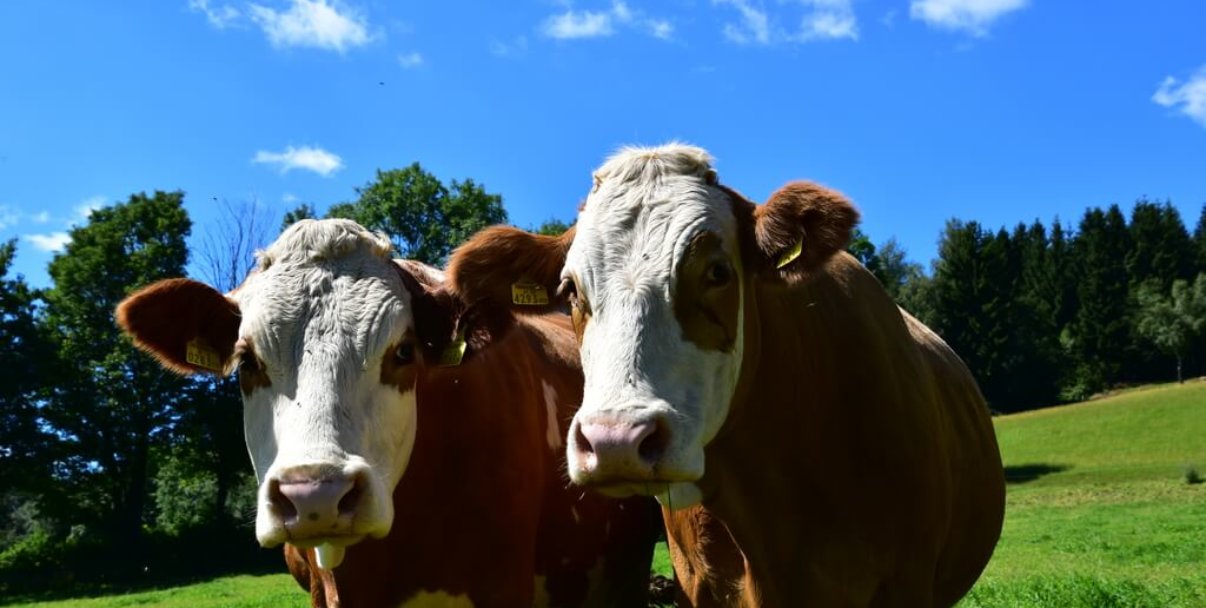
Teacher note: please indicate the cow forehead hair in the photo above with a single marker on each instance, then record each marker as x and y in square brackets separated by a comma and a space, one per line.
[652, 164]
[311, 241]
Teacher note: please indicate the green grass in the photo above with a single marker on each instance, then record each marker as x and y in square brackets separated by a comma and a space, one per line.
[1099, 514]
[274, 591]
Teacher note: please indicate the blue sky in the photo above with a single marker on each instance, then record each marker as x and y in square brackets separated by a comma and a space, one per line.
[919, 110]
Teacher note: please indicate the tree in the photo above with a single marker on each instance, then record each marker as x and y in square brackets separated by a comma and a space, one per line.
[24, 359]
[111, 404]
[1100, 333]
[1160, 247]
[1171, 322]
[552, 227]
[304, 211]
[1199, 238]
[893, 269]
[424, 218]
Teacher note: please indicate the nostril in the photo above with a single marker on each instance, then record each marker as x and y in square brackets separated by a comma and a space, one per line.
[654, 444]
[583, 443]
[351, 501]
[283, 505]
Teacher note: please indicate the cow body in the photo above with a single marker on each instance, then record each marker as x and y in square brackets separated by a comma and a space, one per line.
[409, 449]
[811, 443]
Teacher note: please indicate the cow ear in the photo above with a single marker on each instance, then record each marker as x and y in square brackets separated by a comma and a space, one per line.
[799, 228]
[508, 267]
[188, 326]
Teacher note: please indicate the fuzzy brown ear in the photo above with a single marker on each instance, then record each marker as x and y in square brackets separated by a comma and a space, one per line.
[188, 326]
[799, 228]
[506, 266]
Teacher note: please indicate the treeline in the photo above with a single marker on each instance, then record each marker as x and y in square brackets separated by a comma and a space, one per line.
[1049, 314]
[113, 471]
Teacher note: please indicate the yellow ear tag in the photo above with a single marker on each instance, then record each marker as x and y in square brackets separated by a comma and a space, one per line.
[453, 353]
[791, 254]
[201, 355]
[529, 293]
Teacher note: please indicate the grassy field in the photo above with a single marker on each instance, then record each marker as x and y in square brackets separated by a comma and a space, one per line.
[1099, 514]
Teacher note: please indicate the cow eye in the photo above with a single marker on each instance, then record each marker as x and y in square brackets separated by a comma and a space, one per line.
[718, 274]
[568, 290]
[249, 363]
[405, 353]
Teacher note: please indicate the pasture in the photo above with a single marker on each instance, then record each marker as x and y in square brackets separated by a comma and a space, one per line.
[1100, 514]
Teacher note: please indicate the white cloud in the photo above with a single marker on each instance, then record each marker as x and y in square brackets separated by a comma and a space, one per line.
[309, 158]
[220, 17]
[1188, 98]
[51, 243]
[830, 19]
[971, 16]
[754, 26]
[410, 60]
[821, 20]
[573, 24]
[312, 23]
[85, 208]
[8, 216]
[514, 48]
[660, 28]
[41, 218]
[289, 198]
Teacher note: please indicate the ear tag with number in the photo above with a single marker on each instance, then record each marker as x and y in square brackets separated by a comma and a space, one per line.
[200, 354]
[791, 254]
[453, 353]
[529, 293]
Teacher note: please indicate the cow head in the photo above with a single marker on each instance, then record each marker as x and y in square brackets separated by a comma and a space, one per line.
[659, 272]
[327, 337]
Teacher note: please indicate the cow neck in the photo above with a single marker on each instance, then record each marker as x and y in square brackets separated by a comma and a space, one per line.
[472, 404]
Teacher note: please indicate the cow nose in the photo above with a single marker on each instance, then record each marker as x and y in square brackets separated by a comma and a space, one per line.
[620, 449]
[316, 506]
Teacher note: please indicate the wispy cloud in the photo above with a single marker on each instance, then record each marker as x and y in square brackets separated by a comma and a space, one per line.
[515, 48]
[220, 17]
[87, 206]
[306, 157]
[8, 216]
[1188, 98]
[971, 16]
[410, 61]
[573, 24]
[753, 27]
[312, 23]
[53, 242]
[828, 20]
[820, 20]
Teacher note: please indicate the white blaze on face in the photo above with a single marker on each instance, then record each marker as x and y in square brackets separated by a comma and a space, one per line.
[321, 313]
[639, 360]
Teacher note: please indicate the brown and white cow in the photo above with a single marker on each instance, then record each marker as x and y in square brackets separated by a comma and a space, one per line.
[813, 444]
[413, 442]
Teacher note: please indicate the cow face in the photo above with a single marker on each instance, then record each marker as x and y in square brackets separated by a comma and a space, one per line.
[322, 334]
[659, 273]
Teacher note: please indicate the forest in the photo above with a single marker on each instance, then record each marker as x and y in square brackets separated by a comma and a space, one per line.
[115, 472]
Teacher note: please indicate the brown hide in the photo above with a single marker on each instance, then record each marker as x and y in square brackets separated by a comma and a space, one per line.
[857, 465]
[484, 504]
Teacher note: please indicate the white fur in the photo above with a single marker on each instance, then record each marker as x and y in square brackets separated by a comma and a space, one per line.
[646, 207]
[321, 312]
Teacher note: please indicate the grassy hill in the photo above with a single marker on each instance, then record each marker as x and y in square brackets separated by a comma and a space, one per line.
[1099, 514]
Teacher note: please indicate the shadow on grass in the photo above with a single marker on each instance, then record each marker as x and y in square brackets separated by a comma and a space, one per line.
[1026, 473]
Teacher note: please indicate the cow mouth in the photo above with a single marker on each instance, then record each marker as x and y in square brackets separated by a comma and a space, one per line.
[335, 540]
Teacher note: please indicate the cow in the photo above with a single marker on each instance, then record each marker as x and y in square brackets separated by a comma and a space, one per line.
[811, 443]
[409, 449]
